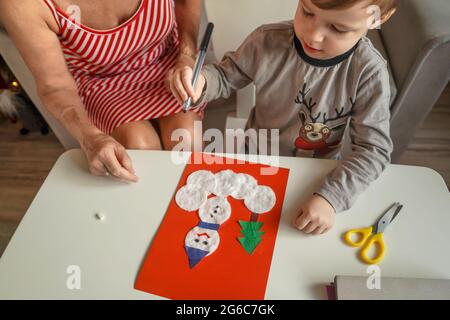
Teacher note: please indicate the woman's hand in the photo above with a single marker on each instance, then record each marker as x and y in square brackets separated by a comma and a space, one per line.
[179, 80]
[316, 216]
[40, 48]
[107, 156]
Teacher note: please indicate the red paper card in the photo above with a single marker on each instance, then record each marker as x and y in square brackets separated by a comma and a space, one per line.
[228, 273]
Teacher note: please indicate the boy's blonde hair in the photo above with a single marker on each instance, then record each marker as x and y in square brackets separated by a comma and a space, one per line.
[385, 5]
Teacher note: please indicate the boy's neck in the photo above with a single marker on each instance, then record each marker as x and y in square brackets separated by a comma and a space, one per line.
[322, 63]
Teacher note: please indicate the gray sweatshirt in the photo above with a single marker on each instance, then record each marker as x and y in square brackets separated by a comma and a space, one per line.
[313, 103]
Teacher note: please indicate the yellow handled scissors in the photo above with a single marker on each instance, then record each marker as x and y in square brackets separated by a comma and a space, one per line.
[373, 235]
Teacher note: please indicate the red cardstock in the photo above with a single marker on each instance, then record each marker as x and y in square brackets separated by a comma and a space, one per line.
[229, 272]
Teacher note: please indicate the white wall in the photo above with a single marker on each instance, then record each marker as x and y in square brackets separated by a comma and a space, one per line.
[235, 19]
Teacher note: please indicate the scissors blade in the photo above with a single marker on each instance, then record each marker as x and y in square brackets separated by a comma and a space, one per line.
[388, 217]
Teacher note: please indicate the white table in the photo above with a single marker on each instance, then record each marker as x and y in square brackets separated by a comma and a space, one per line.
[60, 230]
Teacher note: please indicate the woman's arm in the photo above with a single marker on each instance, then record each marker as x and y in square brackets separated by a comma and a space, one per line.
[39, 47]
[188, 19]
[32, 28]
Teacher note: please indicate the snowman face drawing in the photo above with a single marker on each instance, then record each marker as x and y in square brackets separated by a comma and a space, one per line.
[202, 239]
[216, 210]
[200, 243]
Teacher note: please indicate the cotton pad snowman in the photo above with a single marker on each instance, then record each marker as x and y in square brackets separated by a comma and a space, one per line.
[204, 238]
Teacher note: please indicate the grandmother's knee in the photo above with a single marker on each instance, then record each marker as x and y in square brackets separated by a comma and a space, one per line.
[137, 136]
[141, 143]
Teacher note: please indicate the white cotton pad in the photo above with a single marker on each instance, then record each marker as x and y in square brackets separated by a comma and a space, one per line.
[247, 185]
[227, 182]
[203, 239]
[203, 178]
[215, 210]
[261, 201]
[190, 197]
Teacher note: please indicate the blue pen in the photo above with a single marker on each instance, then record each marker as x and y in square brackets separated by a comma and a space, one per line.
[199, 62]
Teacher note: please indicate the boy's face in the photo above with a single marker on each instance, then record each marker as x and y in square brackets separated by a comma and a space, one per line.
[325, 34]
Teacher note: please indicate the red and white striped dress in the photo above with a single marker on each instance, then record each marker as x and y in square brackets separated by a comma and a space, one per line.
[120, 72]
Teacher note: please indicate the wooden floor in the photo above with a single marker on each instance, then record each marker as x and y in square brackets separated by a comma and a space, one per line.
[26, 161]
[431, 144]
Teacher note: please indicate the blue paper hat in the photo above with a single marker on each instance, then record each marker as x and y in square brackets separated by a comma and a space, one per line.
[195, 255]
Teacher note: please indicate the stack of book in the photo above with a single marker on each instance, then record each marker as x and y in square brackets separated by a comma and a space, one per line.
[364, 288]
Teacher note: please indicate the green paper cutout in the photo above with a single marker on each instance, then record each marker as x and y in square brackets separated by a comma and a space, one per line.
[252, 225]
[251, 235]
[249, 244]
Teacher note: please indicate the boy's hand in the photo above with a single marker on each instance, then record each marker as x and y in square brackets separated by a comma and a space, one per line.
[179, 81]
[316, 216]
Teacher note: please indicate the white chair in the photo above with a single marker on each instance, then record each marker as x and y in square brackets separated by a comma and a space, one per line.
[416, 43]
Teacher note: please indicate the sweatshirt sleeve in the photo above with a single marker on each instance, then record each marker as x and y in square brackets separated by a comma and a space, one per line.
[371, 145]
[236, 70]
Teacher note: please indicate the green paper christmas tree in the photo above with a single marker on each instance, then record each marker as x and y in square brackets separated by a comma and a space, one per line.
[251, 234]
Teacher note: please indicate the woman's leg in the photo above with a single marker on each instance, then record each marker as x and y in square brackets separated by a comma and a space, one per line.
[137, 135]
[183, 121]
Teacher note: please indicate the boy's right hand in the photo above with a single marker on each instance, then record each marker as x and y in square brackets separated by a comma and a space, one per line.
[316, 216]
[179, 81]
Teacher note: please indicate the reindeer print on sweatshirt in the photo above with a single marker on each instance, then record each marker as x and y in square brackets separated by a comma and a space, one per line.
[317, 106]
[320, 134]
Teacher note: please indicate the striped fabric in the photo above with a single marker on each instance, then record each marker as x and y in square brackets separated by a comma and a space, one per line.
[120, 72]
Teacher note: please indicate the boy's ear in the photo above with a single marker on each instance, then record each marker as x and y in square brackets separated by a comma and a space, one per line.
[384, 18]
[388, 15]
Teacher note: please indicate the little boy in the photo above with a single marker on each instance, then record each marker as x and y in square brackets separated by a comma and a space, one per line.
[315, 78]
